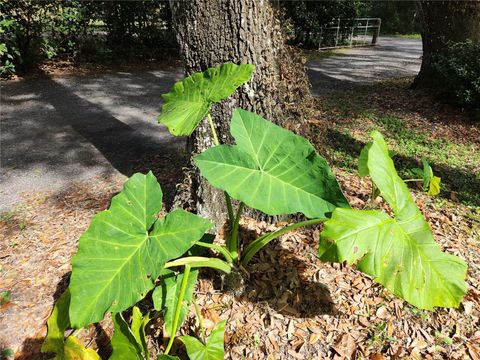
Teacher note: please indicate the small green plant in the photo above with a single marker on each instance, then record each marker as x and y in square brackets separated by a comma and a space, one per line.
[6, 353]
[5, 297]
[129, 252]
[431, 183]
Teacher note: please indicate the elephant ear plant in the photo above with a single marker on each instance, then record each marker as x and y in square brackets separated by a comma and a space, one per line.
[130, 252]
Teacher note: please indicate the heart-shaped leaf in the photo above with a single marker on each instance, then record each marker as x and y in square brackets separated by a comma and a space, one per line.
[124, 343]
[119, 248]
[212, 350]
[190, 100]
[400, 253]
[139, 323]
[271, 169]
[434, 186]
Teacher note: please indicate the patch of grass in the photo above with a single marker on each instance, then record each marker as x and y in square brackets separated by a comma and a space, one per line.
[378, 337]
[421, 314]
[5, 297]
[442, 340]
[405, 36]
[454, 161]
[312, 55]
[6, 216]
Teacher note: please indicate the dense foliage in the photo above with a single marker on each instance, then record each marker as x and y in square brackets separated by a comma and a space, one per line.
[398, 17]
[129, 251]
[458, 65]
[309, 17]
[31, 31]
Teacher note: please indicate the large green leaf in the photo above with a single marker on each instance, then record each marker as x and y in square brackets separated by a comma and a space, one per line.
[119, 257]
[57, 323]
[400, 252]
[212, 350]
[362, 160]
[271, 169]
[165, 297]
[190, 100]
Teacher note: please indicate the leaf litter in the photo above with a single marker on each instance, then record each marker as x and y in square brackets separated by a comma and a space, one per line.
[292, 307]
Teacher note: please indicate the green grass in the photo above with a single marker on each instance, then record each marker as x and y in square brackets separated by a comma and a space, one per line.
[405, 36]
[323, 54]
[454, 161]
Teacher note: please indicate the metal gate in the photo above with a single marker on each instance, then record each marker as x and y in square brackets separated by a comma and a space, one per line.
[349, 33]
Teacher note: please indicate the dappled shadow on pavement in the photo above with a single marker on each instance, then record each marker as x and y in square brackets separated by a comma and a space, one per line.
[59, 130]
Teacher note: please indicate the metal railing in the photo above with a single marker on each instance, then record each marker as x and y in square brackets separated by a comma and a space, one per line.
[349, 33]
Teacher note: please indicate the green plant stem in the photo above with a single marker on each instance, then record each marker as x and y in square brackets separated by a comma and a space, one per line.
[212, 127]
[199, 261]
[178, 308]
[413, 180]
[259, 243]
[228, 200]
[222, 250]
[199, 317]
[374, 193]
[232, 244]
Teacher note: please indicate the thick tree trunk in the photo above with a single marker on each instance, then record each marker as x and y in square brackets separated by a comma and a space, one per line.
[444, 21]
[212, 32]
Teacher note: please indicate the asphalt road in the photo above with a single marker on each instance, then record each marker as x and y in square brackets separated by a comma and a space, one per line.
[391, 58]
[57, 130]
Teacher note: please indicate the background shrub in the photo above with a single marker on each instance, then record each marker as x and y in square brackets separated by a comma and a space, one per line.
[458, 65]
[32, 31]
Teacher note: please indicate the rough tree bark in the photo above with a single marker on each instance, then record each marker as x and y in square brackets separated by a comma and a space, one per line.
[444, 21]
[212, 32]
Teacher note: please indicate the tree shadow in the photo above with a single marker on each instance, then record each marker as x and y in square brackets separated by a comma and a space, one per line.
[280, 278]
[300, 297]
[71, 128]
[391, 59]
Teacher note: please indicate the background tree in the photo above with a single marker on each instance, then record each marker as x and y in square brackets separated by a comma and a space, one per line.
[242, 31]
[398, 17]
[444, 22]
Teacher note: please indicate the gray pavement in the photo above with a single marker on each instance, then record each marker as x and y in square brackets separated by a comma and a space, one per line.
[57, 130]
[391, 58]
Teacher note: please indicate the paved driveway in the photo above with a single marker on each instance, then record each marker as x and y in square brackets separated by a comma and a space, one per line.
[57, 130]
[391, 58]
